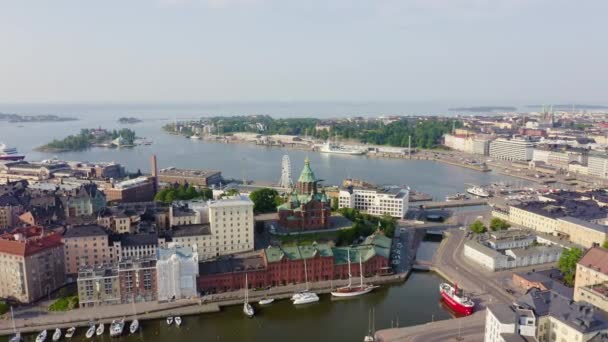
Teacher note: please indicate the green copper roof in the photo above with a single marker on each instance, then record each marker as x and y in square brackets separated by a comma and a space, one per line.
[307, 176]
[341, 254]
[274, 254]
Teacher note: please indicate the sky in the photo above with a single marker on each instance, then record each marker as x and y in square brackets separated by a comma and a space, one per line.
[499, 52]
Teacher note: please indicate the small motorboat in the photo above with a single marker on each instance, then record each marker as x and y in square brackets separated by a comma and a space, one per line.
[134, 326]
[307, 298]
[266, 301]
[91, 331]
[41, 337]
[16, 338]
[178, 321]
[100, 329]
[57, 335]
[169, 320]
[70, 332]
[117, 327]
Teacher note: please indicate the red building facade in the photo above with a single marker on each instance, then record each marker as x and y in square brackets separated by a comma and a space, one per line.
[277, 266]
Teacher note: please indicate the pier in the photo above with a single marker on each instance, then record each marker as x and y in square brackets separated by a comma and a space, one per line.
[454, 204]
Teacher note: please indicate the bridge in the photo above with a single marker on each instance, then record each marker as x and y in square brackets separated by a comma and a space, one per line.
[454, 204]
[422, 265]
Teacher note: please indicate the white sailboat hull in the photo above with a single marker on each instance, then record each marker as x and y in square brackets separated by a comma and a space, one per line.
[306, 299]
[353, 293]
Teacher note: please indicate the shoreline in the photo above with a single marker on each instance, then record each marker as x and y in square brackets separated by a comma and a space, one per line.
[155, 310]
[420, 155]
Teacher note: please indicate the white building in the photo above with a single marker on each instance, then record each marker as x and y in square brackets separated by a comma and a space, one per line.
[176, 272]
[598, 165]
[511, 149]
[505, 253]
[545, 316]
[392, 201]
[505, 321]
[223, 227]
[467, 143]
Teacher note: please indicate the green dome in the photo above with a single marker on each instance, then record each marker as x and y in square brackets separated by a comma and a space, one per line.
[307, 176]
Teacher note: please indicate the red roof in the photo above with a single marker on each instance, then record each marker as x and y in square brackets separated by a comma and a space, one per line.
[597, 259]
[28, 241]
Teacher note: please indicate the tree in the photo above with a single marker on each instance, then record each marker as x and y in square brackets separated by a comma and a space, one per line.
[477, 227]
[605, 244]
[206, 194]
[191, 192]
[567, 264]
[334, 204]
[498, 224]
[161, 196]
[170, 197]
[264, 200]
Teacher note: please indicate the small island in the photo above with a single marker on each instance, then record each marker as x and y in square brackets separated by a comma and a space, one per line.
[129, 120]
[15, 118]
[481, 109]
[88, 138]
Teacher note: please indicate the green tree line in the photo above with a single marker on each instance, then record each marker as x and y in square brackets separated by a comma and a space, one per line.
[182, 193]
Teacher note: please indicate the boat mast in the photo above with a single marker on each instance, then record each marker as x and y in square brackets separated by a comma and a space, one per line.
[350, 277]
[361, 270]
[13, 318]
[246, 289]
[305, 273]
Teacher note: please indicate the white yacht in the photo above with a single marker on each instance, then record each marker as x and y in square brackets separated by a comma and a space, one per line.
[478, 191]
[91, 331]
[100, 329]
[306, 296]
[57, 335]
[266, 301]
[117, 327]
[330, 147]
[41, 337]
[70, 332]
[178, 321]
[134, 326]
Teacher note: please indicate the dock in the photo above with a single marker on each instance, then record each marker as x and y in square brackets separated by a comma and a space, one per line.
[454, 204]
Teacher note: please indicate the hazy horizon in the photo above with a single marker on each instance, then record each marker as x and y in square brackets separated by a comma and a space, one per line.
[455, 53]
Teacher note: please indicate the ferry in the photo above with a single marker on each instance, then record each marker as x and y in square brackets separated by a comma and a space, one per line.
[9, 153]
[330, 147]
[478, 191]
[455, 299]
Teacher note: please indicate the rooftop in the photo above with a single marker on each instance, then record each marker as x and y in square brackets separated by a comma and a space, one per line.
[26, 241]
[551, 279]
[167, 253]
[580, 316]
[238, 263]
[191, 230]
[187, 172]
[136, 239]
[581, 209]
[85, 231]
[596, 258]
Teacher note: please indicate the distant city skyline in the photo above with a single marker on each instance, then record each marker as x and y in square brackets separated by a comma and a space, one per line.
[460, 52]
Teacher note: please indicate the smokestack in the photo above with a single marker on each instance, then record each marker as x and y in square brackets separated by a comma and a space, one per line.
[154, 172]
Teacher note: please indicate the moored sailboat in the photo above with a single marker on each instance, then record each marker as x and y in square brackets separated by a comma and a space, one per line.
[247, 308]
[352, 291]
[16, 334]
[305, 297]
[70, 332]
[57, 335]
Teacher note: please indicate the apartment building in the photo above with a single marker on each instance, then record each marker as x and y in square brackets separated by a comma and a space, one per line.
[511, 149]
[392, 201]
[591, 282]
[136, 246]
[98, 285]
[87, 246]
[579, 220]
[176, 270]
[32, 264]
[231, 223]
[597, 165]
[137, 280]
[544, 316]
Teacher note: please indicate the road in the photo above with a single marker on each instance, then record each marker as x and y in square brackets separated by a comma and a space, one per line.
[470, 328]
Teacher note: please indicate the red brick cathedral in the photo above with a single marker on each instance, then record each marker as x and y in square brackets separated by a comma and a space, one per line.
[306, 208]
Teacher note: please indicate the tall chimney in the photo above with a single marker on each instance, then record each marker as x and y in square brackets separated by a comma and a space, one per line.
[154, 172]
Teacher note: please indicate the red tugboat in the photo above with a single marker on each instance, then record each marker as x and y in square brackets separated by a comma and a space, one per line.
[456, 300]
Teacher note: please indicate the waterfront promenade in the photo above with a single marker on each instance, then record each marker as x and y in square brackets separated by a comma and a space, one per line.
[36, 318]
